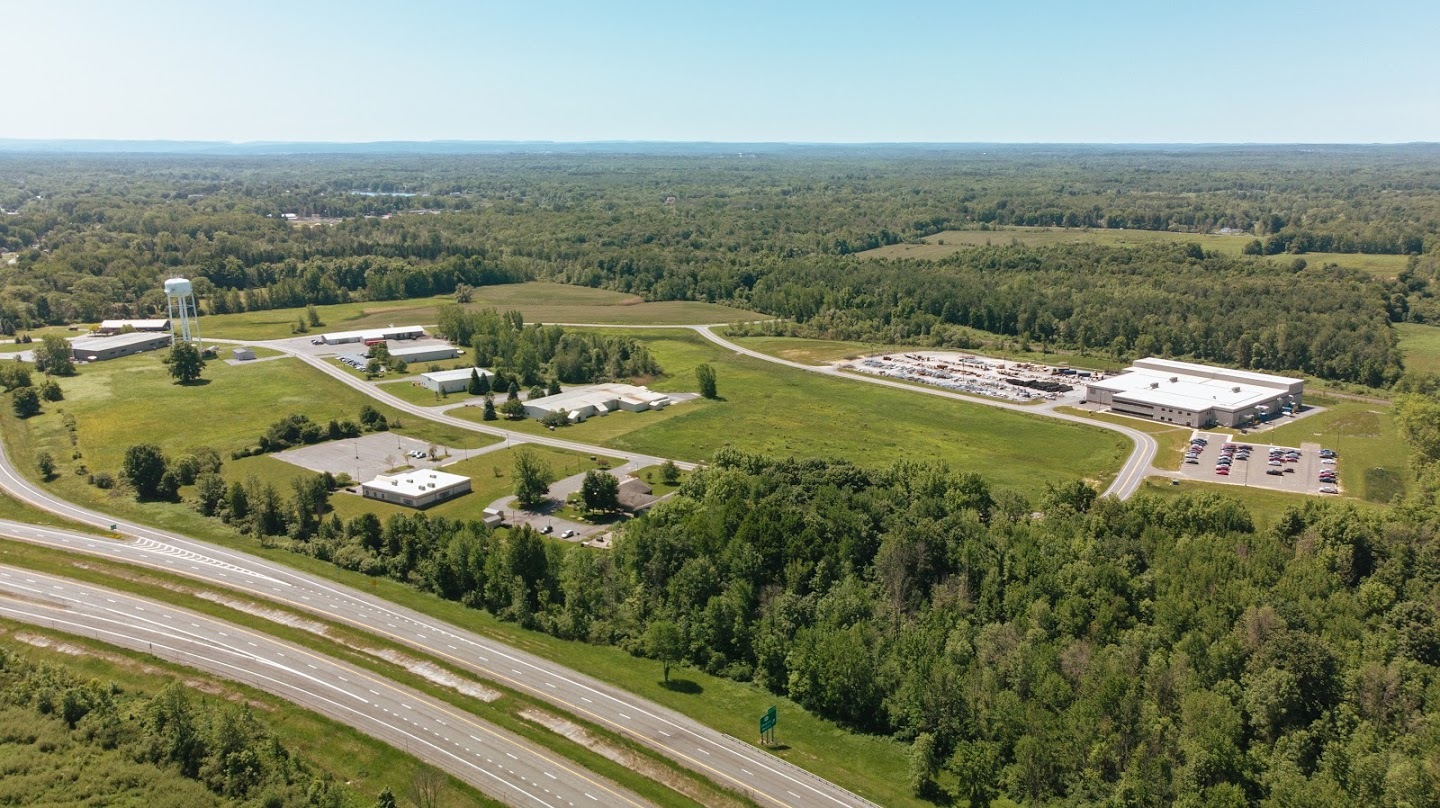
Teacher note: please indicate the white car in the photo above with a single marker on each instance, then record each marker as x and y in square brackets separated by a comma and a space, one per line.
[567, 534]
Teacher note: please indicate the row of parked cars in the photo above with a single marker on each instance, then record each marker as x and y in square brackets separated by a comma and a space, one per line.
[1229, 453]
[1328, 475]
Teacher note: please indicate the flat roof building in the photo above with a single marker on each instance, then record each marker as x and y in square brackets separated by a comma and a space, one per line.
[597, 399]
[391, 332]
[450, 381]
[416, 489]
[424, 353]
[116, 326]
[1196, 395]
[242, 354]
[98, 349]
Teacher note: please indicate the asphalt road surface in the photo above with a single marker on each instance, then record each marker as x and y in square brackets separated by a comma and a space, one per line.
[723, 758]
[493, 760]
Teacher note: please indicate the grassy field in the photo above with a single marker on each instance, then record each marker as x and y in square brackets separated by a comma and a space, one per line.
[1373, 459]
[950, 242]
[784, 412]
[1172, 439]
[1421, 345]
[539, 302]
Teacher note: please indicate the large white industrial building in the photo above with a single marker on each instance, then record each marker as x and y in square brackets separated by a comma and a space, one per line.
[96, 349]
[1194, 395]
[597, 399]
[392, 332]
[424, 353]
[416, 489]
[450, 381]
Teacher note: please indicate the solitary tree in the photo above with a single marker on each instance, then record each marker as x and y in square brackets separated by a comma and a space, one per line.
[26, 402]
[46, 464]
[600, 491]
[489, 413]
[144, 469]
[532, 478]
[50, 391]
[514, 392]
[666, 643]
[312, 316]
[185, 362]
[55, 356]
[513, 408]
[669, 472]
[705, 375]
[474, 386]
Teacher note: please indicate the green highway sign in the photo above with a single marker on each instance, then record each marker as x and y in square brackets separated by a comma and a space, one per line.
[767, 721]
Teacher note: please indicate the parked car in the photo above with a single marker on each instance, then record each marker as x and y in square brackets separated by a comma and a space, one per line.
[1329, 489]
[567, 534]
[1276, 472]
[547, 529]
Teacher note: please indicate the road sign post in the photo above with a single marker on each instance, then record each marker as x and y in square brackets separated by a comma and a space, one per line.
[767, 727]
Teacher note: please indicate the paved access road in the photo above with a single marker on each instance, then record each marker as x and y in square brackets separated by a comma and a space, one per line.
[493, 760]
[724, 759]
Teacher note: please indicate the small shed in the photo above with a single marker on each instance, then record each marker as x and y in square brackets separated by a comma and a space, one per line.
[243, 354]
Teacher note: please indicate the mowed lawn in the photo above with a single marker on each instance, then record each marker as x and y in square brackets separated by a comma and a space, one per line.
[538, 302]
[1421, 346]
[950, 242]
[786, 412]
[1373, 461]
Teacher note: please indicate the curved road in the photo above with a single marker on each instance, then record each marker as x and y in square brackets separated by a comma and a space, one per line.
[493, 760]
[726, 760]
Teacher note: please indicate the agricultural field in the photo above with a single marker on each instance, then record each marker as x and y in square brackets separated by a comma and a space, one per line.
[539, 302]
[787, 412]
[1421, 346]
[950, 242]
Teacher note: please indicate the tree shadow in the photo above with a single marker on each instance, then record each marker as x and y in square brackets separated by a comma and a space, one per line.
[194, 383]
[685, 686]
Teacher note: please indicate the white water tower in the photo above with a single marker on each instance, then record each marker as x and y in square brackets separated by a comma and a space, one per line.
[180, 303]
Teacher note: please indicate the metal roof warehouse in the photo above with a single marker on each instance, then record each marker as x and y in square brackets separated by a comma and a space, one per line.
[1196, 395]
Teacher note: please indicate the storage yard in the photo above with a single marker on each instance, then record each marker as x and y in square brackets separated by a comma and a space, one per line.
[981, 375]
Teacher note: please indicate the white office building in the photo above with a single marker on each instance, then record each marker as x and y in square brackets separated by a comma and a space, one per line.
[1194, 395]
[392, 332]
[98, 349]
[580, 403]
[416, 489]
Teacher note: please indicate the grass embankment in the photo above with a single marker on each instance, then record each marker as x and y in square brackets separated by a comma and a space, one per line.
[1373, 457]
[363, 764]
[330, 639]
[950, 242]
[538, 302]
[1420, 345]
[783, 411]
[1172, 439]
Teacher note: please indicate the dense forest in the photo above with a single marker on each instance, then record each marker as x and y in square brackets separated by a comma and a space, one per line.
[92, 236]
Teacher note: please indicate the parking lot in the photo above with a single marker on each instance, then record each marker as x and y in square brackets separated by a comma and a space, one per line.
[1297, 470]
[981, 375]
[368, 455]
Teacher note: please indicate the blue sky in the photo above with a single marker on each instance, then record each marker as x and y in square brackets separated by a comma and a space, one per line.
[736, 71]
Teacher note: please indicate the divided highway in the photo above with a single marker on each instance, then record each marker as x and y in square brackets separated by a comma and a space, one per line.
[493, 760]
[724, 759]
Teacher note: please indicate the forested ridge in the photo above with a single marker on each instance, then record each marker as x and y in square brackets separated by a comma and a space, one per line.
[94, 235]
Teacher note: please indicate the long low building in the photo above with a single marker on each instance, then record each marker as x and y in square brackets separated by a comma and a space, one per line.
[116, 326]
[391, 332]
[416, 489]
[597, 399]
[98, 349]
[450, 381]
[1195, 395]
[424, 353]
